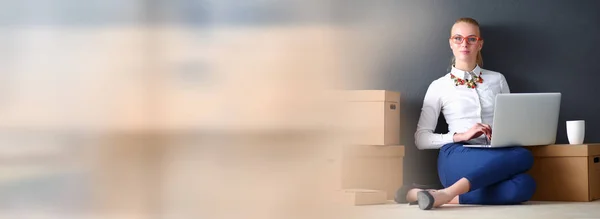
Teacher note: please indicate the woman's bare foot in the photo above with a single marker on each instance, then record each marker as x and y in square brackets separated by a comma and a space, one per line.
[442, 197]
[432, 199]
[411, 195]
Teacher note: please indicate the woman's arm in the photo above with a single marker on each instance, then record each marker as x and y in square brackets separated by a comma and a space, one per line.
[504, 85]
[432, 106]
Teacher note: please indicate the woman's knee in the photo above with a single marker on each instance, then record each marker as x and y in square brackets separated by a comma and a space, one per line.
[524, 188]
[523, 157]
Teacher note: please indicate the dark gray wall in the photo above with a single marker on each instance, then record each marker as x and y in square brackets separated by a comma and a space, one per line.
[540, 46]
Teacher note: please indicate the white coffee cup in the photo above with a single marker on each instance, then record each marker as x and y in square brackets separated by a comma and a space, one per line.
[576, 131]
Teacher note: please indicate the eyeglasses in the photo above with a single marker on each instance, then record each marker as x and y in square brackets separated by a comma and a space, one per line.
[470, 39]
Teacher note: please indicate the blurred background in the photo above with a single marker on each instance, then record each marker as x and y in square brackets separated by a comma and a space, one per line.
[166, 109]
[221, 109]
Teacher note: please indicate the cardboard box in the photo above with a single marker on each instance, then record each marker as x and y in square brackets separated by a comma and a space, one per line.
[374, 117]
[370, 167]
[566, 172]
[358, 197]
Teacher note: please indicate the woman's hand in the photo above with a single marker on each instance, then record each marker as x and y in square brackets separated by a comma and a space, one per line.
[474, 132]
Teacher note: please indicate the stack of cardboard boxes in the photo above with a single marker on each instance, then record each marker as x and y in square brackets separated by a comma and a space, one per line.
[370, 165]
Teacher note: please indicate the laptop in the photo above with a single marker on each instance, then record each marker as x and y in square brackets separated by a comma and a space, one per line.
[524, 119]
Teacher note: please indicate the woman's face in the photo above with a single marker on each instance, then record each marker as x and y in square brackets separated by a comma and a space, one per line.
[465, 42]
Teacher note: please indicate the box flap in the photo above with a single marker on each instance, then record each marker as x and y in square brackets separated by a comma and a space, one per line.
[566, 150]
[375, 150]
[372, 96]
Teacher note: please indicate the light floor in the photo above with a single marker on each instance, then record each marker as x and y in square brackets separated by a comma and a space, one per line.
[545, 210]
[562, 210]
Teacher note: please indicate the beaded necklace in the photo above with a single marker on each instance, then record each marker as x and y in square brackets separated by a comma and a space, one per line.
[470, 83]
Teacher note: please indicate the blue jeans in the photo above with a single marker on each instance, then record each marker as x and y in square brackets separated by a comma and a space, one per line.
[497, 175]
